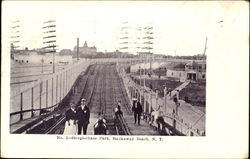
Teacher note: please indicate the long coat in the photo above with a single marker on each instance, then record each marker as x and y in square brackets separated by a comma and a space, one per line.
[137, 108]
[83, 115]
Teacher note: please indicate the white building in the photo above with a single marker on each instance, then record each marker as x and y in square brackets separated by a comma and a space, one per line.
[195, 71]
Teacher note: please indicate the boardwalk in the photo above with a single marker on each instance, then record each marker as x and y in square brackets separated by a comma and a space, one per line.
[103, 88]
[106, 92]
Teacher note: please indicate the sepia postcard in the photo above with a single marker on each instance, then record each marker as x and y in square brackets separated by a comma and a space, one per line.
[125, 79]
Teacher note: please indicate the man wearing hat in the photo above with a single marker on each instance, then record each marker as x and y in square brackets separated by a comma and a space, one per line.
[83, 115]
[137, 109]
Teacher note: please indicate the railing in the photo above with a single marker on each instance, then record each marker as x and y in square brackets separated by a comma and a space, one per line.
[150, 100]
[45, 94]
[123, 125]
[62, 120]
[54, 127]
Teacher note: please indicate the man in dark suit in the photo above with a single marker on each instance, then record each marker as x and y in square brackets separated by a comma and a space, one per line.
[137, 109]
[83, 115]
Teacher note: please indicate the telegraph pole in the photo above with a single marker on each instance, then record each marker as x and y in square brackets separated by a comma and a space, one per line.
[49, 31]
[15, 37]
[148, 46]
[53, 58]
[165, 95]
[77, 49]
[204, 53]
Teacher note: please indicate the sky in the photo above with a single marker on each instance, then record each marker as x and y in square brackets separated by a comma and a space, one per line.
[179, 27]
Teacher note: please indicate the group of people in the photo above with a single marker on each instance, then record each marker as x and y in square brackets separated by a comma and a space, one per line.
[156, 115]
[77, 119]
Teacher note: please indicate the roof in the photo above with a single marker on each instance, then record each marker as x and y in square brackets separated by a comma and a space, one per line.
[191, 71]
[192, 63]
[176, 66]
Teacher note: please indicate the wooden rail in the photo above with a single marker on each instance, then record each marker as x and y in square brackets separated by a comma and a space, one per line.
[62, 120]
[45, 111]
[147, 115]
[123, 125]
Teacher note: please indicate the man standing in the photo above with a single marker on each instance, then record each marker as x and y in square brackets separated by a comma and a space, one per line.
[137, 109]
[83, 115]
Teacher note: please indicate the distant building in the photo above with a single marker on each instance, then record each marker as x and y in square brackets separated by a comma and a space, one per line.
[194, 70]
[38, 56]
[85, 50]
[25, 51]
[145, 54]
[65, 52]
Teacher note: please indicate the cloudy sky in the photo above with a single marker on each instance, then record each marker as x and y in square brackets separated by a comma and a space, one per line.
[178, 26]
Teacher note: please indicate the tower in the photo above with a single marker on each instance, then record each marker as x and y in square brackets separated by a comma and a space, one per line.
[85, 44]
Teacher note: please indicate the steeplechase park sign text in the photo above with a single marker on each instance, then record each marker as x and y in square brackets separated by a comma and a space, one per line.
[110, 138]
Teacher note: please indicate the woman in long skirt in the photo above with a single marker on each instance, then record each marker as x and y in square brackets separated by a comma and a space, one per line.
[71, 127]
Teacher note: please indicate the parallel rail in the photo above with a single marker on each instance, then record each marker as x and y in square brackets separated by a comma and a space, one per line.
[106, 89]
[104, 85]
[60, 123]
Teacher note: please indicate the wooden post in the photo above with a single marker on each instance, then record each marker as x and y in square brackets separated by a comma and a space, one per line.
[21, 106]
[60, 87]
[46, 93]
[156, 99]
[70, 80]
[56, 88]
[40, 96]
[63, 84]
[52, 95]
[174, 124]
[144, 89]
[140, 95]
[67, 81]
[140, 74]
[176, 108]
[151, 102]
[77, 49]
[165, 102]
[68, 75]
[145, 101]
[66, 89]
[131, 91]
[32, 102]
